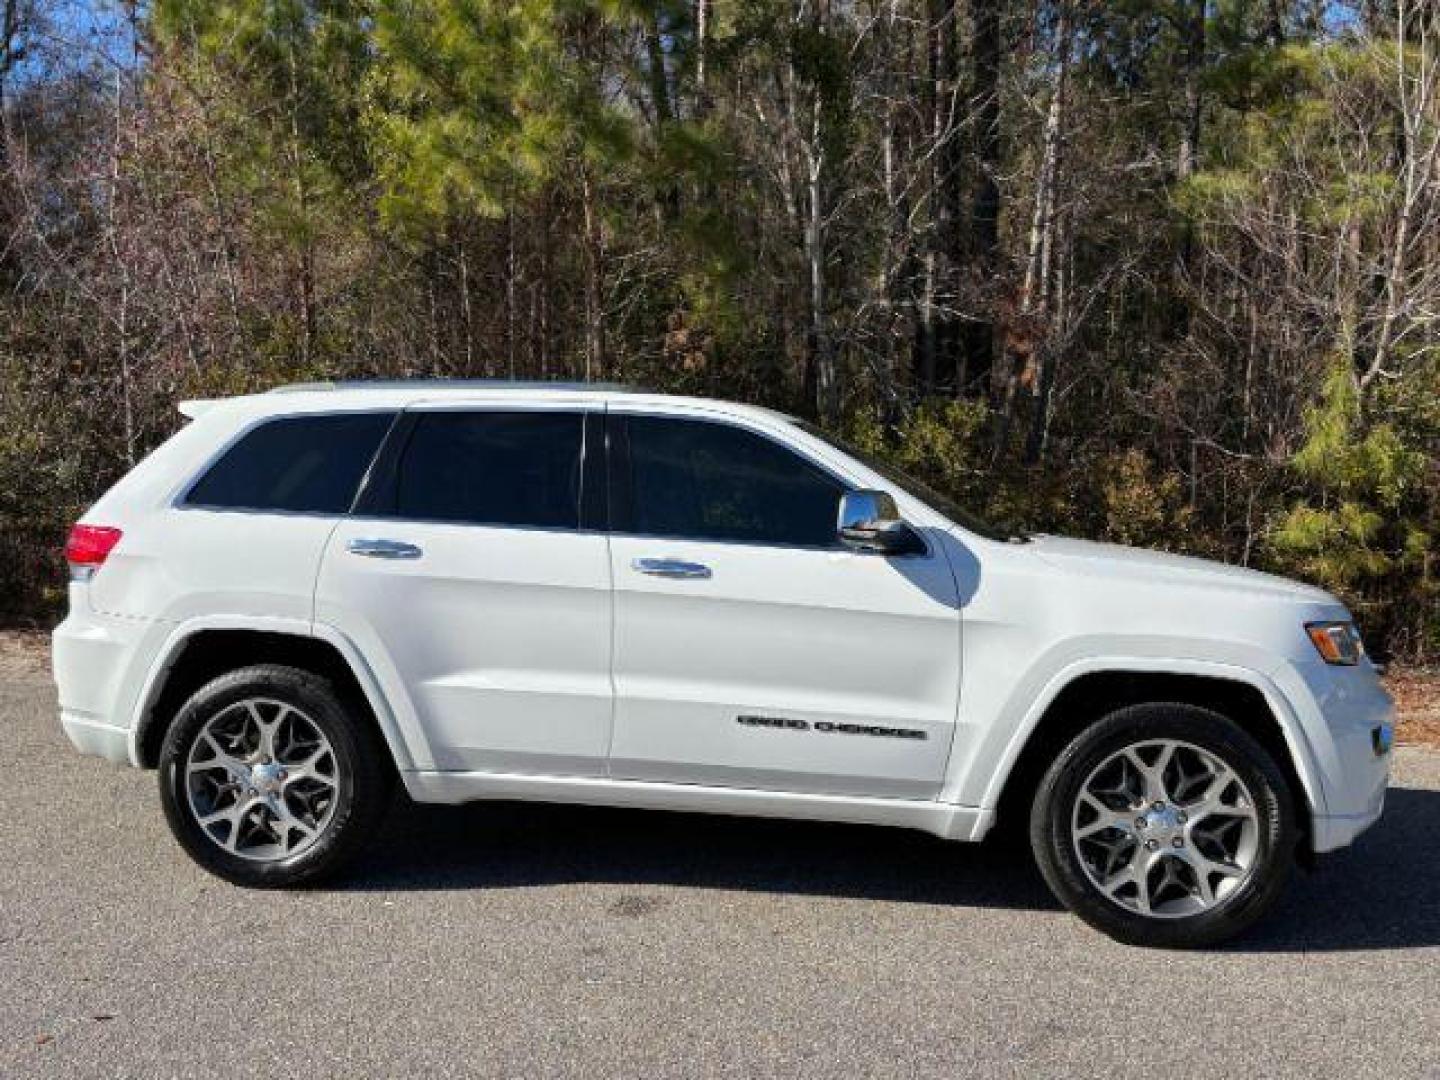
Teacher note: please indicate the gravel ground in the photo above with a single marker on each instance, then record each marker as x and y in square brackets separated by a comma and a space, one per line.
[542, 941]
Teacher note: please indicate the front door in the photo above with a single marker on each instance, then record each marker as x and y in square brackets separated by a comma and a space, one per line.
[751, 649]
[469, 572]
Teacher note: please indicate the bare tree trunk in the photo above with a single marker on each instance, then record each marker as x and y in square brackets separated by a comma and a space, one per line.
[1022, 365]
[806, 128]
[896, 258]
[936, 336]
[466, 320]
[433, 322]
[659, 76]
[923, 359]
[668, 201]
[1192, 29]
[510, 315]
[10, 54]
[702, 58]
[546, 271]
[979, 336]
[821, 360]
[306, 296]
[1051, 348]
[949, 234]
[594, 280]
[228, 244]
[1417, 74]
[122, 267]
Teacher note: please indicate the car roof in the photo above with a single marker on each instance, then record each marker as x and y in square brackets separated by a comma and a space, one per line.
[455, 385]
[403, 393]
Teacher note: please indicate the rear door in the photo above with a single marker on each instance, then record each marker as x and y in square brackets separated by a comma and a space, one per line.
[472, 571]
[751, 650]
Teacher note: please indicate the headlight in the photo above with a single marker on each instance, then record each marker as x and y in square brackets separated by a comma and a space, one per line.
[1336, 642]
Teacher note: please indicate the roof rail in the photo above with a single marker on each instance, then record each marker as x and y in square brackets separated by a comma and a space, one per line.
[453, 384]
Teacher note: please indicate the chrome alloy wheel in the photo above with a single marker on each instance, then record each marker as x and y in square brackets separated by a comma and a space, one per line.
[1165, 829]
[262, 780]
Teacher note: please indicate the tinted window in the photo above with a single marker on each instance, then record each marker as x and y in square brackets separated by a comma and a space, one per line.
[709, 481]
[492, 468]
[301, 463]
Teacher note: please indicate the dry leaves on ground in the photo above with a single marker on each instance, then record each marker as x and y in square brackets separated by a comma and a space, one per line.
[1417, 698]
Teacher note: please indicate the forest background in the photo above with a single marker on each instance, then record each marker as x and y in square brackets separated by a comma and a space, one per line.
[1161, 272]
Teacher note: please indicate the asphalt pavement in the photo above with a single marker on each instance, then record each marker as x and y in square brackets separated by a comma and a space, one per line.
[531, 941]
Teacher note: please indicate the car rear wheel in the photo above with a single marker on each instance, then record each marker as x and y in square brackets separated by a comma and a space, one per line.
[269, 778]
[1165, 825]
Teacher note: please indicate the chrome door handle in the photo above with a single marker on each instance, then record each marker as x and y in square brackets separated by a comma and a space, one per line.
[671, 568]
[383, 549]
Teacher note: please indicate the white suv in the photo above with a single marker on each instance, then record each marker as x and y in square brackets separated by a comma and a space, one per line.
[582, 594]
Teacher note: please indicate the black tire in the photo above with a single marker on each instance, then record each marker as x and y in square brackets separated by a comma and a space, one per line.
[364, 779]
[1275, 834]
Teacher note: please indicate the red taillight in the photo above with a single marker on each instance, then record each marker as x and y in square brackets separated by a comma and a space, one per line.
[88, 545]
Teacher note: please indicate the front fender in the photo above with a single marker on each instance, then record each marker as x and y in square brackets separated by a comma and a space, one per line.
[983, 775]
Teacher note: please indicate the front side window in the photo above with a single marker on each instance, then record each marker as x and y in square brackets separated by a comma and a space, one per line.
[701, 480]
[295, 464]
[492, 468]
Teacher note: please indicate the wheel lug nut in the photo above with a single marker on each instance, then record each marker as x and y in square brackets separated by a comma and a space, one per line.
[1181, 817]
[1140, 823]
[1177, 842]
[251, 792]
[1159, 806]
[1152, 845]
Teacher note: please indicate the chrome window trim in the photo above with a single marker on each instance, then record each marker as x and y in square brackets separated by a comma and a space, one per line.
[583, 407]
[558, 530]
[210, 508]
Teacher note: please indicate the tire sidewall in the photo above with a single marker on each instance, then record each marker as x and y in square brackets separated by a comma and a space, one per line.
[306, 692]
[1061, 866]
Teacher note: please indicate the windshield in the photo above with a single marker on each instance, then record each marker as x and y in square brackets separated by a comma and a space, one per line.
[916, 488]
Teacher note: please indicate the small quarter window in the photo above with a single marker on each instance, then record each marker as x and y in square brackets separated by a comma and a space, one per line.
[295, 464]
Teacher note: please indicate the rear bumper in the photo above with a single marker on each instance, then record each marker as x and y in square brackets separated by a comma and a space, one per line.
[99, 662]
[91, 736]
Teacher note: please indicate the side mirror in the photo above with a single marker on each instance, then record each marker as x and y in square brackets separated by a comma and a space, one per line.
[870, 522]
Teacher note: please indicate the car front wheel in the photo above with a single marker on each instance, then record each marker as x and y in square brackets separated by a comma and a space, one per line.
[1165, 825]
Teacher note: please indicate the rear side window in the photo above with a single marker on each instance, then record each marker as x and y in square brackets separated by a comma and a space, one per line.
[297, 464]
[701, 480]
[492, 468]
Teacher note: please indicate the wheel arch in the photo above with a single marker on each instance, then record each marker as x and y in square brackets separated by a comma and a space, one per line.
[197, 653]
[1078, 698]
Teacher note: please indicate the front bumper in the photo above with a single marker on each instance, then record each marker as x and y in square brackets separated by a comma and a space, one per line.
[1347, 720]
[1332, 831]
